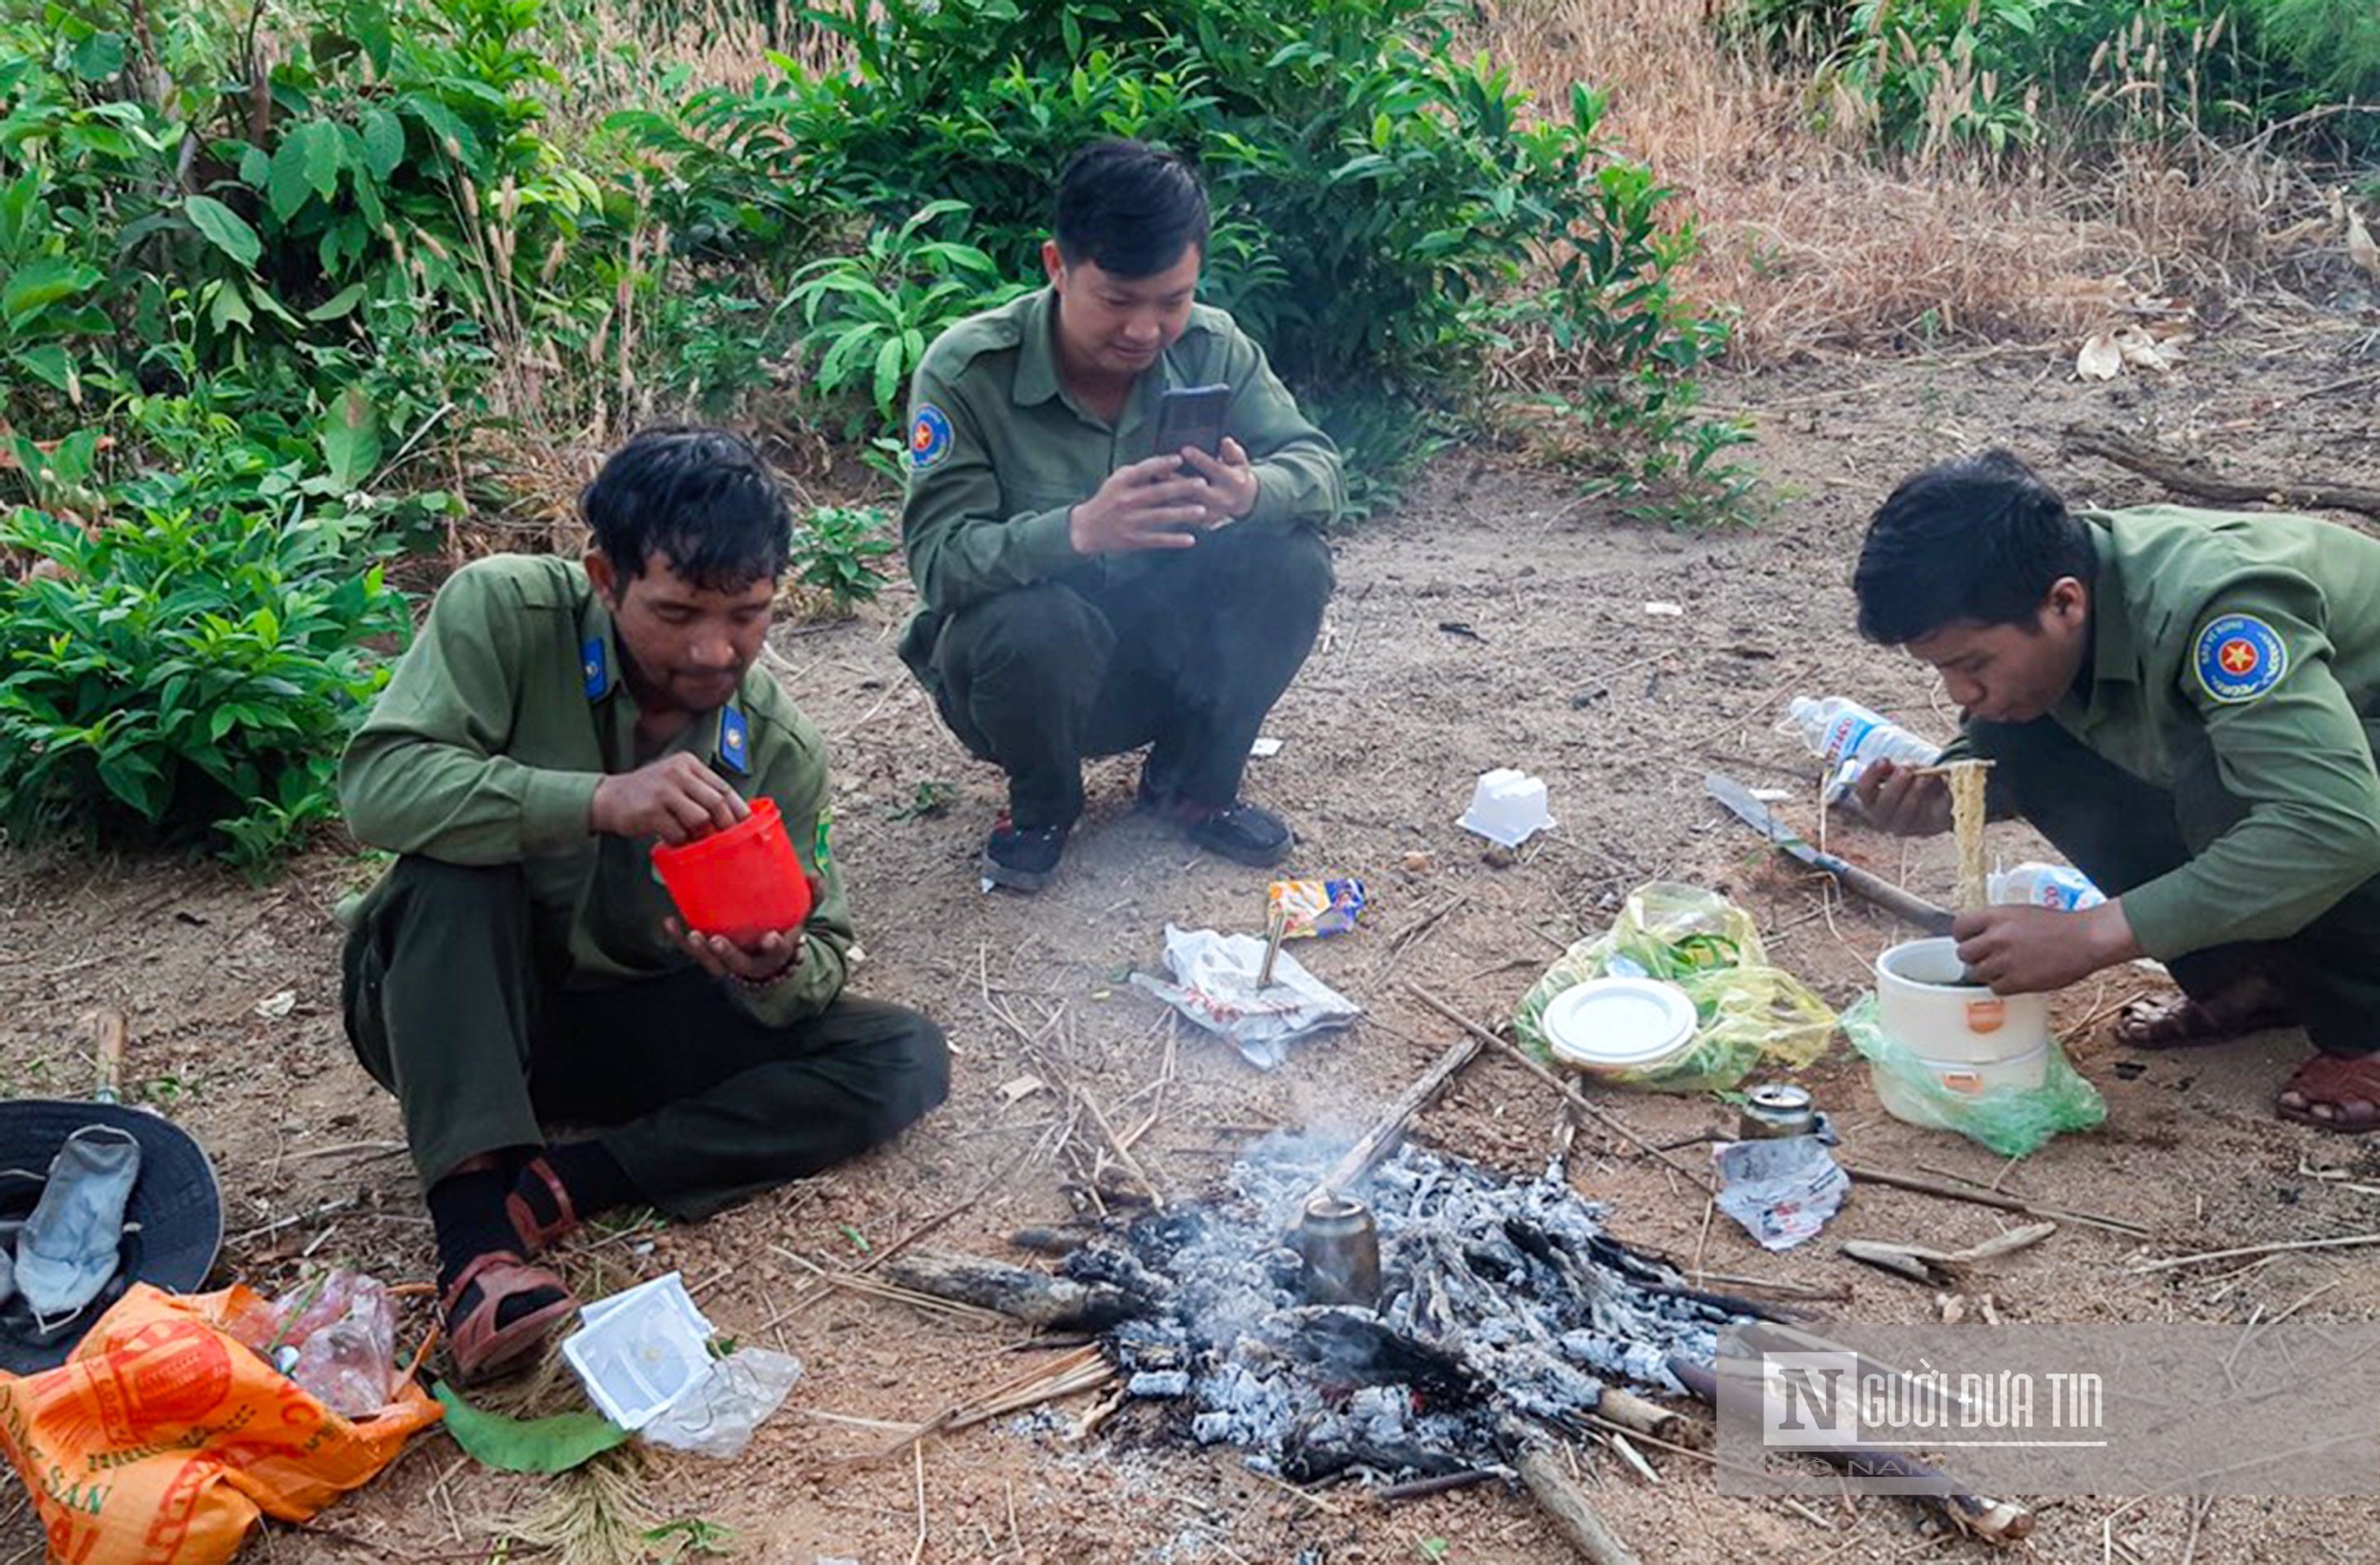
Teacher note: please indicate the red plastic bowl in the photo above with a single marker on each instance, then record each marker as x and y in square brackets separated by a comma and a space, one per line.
[741, 883]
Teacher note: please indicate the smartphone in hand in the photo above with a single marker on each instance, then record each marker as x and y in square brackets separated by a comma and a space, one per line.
[1191, 415]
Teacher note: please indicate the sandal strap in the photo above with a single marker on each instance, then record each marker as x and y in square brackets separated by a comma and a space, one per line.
[538, 1237]
[2329, 1076]
[471, 1274]
[478, 1345]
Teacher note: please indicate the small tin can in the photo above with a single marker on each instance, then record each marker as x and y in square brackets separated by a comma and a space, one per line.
[1338, 1243]
[1775, 1111]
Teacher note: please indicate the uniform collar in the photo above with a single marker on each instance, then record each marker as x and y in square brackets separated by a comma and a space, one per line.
[1037, 351]
[1037, 367]
[723, 736]
[2115, 655]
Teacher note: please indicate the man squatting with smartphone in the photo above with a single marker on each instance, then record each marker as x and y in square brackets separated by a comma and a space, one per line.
[1114, 521]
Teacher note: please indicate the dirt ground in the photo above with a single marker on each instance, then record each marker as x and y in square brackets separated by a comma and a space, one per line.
[233, 993]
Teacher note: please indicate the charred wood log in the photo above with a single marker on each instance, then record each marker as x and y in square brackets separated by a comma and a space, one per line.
[1052, 1241]
[1311, 1461]
[1035, 1298]
[1422, 1488]
[1632, 1412]
[1355, 1348]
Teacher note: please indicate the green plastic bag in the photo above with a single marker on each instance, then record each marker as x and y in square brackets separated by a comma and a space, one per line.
[2011, 1120]
[1749, 1016]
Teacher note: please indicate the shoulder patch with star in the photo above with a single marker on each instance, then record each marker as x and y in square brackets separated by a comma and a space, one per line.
[929, 437]
[2237, 658]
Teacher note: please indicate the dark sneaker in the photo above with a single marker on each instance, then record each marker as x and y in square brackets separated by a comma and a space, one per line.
[1242, 833]
[1023, 861]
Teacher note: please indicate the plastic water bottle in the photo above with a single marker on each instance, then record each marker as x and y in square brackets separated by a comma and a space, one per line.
[2059, 886]
[1850, 738]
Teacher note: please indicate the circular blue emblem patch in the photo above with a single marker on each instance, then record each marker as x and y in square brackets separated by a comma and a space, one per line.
[929, 437]
[2239, 658]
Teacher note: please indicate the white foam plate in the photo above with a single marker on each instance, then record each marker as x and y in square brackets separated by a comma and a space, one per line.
[1619, 1023]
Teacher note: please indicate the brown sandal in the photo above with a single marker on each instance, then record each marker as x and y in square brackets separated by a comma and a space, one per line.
[538, 1237]
[480, 1347]
[2154, 1025]
[2347, 1088]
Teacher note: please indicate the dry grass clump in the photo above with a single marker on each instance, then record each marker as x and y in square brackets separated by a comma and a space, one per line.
[595, 1515]
[1812, 241]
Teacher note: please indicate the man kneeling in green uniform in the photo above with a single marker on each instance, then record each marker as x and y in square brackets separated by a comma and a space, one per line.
[519, 966]
[1081, 592]
[2186, 703]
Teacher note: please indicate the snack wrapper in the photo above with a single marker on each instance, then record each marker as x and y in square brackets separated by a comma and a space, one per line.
[1311, 908]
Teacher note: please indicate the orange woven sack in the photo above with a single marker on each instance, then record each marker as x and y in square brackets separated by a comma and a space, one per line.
[162, 1439]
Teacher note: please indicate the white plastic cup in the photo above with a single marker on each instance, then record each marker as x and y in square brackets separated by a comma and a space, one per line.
[1507, 807]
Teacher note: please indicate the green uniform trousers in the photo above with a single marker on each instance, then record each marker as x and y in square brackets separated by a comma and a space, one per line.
[2124, 832]
[1185, 651]
[451, 1006]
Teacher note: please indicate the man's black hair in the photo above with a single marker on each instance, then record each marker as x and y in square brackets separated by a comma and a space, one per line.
[704, 497]
[1976, 538]
[1129, 209]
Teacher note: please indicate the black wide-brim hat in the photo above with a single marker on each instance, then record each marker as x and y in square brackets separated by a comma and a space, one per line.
[173, 1225]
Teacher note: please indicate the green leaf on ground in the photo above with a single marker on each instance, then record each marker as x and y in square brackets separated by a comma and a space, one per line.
[526, 1445]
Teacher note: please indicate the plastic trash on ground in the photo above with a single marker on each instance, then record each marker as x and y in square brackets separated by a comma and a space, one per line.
[638, 1351]
[2011, 1120]
[1781, 1190]
[1507, 807]
[718, 1417]
[336, 1336]
[1312, 909]
[1214, 985]
[645, 1356]
[1748, 1013]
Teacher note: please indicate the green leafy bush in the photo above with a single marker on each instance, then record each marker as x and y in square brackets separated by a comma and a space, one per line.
[189, 666]
[835, 549]
[327, 227]
[868, 317]
[1380, 200]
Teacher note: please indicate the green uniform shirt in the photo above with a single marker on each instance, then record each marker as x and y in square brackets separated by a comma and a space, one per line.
[486, 747]
[2248, 644]
[999, 453]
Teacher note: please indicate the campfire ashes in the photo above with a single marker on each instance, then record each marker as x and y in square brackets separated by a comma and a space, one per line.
[1499, 1302]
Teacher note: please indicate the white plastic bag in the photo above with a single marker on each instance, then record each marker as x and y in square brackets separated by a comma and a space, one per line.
[1214, 985]
[1781, 1190]
[716, 1417]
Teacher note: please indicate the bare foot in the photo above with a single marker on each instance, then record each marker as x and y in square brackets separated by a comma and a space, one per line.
[2247, 1005]
[2333, 1094]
